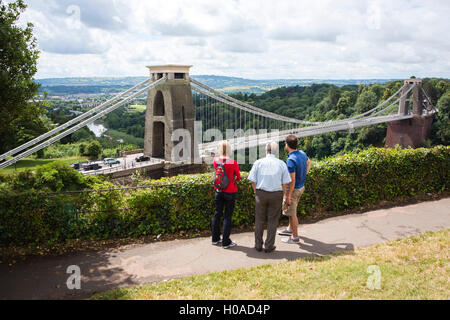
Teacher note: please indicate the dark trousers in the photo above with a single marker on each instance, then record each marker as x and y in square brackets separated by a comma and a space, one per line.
[268, 204]
[224, 201]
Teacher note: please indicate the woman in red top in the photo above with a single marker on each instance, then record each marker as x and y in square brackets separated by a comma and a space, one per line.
[226, 198]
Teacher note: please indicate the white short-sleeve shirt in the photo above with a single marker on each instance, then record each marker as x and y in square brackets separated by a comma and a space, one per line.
[270, 174]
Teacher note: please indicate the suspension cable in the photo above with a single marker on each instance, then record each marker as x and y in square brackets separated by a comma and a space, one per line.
[80, 125]
[265, 113]
[70, 123]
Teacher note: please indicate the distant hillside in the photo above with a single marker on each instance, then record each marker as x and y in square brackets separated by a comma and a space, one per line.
[99, 85]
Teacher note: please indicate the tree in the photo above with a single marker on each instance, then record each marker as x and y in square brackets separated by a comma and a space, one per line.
[366, 101]
[387, 93]
[82, 149]
[441, 125]
[20, 113]
[344, 105]
[94, 150]
[378, 89]
[334, 95]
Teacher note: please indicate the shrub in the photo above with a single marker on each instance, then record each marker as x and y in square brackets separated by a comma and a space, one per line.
[53, 177]
[94, 150]
[186, 202]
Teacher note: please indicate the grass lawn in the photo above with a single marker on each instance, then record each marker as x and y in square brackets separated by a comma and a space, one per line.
[33, 163]
[413, 268]
[137, 108]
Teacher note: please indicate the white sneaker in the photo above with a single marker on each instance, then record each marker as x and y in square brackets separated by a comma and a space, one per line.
[231, 245]
[291, 240]
[285, 232]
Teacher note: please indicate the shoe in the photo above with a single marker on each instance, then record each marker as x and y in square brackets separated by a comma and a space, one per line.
[231, 245]
[291, 240]
[270, 250]
[258, 249]
[285, 232]
[217, 243]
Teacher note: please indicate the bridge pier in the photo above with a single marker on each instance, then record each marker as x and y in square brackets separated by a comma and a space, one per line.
[169, 108]
[410, 132]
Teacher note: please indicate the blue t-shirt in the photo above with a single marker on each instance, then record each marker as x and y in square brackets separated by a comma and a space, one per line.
[297, 163]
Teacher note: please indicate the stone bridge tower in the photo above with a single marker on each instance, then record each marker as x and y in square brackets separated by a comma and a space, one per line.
[169, 107]
[411, 132]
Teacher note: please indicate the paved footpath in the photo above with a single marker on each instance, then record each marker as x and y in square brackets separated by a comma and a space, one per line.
[46, 277]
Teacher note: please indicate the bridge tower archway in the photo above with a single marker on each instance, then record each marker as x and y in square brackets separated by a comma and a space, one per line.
[169, 107]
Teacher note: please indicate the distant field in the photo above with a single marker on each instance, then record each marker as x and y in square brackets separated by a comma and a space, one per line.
[137, 108]
[246, 89]
[33, 163]
[78, 86]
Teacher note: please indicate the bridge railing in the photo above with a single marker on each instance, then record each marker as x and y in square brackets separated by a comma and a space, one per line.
[123, 167]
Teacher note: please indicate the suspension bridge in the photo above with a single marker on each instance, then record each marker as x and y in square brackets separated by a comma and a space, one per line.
[176, 101]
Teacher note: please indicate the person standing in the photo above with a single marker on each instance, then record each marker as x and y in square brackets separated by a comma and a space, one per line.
[227, 170]
[269, 177]
[298, 166]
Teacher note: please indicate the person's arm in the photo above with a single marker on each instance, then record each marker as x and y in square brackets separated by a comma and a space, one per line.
[290, 171]
[237, 172]
[252, 176]
[308, 166]
[285, 189]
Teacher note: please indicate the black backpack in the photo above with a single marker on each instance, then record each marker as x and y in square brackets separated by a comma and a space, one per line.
[221, 179]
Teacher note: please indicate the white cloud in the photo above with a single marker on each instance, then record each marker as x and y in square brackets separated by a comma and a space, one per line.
[246, 38]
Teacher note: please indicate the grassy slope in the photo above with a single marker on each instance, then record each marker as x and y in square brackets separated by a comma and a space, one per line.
[127, 138]
[138, 108]
[413, 268]
[33, 163]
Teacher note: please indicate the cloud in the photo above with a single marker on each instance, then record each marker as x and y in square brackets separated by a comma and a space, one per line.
[101, 14]
[247, 38]
[243, 43]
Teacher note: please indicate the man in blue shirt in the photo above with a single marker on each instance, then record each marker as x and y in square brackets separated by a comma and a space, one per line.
[269, 177]
[298, 166]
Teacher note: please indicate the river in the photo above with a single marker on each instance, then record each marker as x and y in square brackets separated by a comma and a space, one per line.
[97, 129]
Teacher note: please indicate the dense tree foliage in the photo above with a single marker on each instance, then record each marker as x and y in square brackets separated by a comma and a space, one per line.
[441, 128]
[132, 123]
[22, 116]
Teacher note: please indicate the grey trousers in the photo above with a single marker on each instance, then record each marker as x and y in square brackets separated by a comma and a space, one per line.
[268, 204]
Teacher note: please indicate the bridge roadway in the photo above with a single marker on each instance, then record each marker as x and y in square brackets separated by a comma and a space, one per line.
[252, 141]
[126, 163]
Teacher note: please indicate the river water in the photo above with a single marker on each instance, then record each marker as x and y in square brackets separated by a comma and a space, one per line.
[97, 129]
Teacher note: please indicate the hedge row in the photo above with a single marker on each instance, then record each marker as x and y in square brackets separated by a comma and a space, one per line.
[186, 202]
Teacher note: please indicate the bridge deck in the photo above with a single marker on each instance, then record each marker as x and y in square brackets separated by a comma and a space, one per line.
[251, 141]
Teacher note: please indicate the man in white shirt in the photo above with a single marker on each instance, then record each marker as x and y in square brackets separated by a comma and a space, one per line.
[270, 178]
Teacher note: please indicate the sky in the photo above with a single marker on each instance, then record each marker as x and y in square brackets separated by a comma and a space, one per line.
[255, 39]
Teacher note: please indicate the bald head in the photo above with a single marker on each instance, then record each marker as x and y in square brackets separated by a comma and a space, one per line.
[272, 148]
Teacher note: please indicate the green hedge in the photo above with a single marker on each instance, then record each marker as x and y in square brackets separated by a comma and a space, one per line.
[186, 202]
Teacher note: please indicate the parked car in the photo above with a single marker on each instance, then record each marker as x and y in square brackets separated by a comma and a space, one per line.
[142, 159]
[109, 161]
[75, 166]
[91, 166]
[78, 165]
